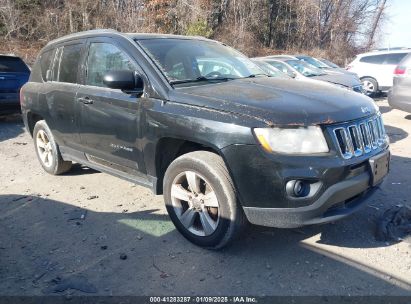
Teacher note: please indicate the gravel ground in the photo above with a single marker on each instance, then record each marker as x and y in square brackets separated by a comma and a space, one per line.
[89, 232]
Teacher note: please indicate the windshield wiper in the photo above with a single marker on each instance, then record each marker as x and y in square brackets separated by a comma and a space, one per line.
[201, 78]
[255, 75]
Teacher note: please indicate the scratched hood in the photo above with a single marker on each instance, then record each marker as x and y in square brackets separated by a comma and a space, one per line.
[279, 101]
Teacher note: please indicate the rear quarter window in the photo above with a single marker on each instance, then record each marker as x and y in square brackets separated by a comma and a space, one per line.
[45, 63]
[406, 60]
[394, 58]
[13, 64]
[375, 59]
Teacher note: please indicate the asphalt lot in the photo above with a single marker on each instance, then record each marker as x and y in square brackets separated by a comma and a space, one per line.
[90, 231]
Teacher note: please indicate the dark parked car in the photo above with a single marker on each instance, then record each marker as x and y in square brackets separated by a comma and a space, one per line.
[14, 73]
[399, 96]
[201, 124]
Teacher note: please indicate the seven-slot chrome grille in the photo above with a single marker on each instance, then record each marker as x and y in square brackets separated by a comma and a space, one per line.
[360, 137]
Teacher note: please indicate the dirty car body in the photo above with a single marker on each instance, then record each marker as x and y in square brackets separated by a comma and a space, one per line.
[136, 137]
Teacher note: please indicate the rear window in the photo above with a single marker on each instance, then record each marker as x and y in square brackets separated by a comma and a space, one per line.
[12, 64]
[375, 59]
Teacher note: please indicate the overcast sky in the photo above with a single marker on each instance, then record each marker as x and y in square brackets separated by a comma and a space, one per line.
[397, 28]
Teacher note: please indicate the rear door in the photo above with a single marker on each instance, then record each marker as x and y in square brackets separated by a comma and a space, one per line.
[372, 66]
[109, 119]
[62, 90]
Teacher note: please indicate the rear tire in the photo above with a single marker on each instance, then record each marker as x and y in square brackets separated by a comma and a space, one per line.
[201, 200]
[48, 151]
[370, 86]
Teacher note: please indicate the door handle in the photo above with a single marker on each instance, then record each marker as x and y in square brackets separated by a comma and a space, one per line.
[85, 100]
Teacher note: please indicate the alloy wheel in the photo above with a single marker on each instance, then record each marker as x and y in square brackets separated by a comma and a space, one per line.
[368, 86]
[195, 203]
[44, 148]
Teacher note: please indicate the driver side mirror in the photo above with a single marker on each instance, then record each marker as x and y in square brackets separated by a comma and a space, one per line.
[127, 81]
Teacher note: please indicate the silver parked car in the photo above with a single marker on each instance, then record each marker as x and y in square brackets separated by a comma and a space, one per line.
[335, 69]
[400, 95]
[301, 70]
[270, 70]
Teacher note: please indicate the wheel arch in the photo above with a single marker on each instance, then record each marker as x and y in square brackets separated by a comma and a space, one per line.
[169, 148]
[32, 119]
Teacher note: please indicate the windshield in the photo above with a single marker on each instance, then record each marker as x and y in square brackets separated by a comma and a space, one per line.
[330, 64]
[270, 70]
[186, 60]
[12, 64]
[314, 62]
[306, 69]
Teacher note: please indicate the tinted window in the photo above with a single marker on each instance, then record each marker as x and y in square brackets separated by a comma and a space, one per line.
[104, 57]
[394, 58]
[12, 64]
[68, 63]
[375, 59]
[45, 62]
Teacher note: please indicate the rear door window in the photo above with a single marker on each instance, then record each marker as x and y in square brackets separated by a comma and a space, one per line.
[375, 59]
[67, 63]
[13, 64]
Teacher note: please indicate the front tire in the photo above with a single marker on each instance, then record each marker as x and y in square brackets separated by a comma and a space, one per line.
[48, 151]
[201, 200]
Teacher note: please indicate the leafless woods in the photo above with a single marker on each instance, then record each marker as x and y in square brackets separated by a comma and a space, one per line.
[332, 28]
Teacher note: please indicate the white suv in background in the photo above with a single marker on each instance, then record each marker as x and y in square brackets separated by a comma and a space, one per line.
[376, 69]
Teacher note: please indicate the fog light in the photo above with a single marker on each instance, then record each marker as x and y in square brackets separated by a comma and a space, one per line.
[297, 188]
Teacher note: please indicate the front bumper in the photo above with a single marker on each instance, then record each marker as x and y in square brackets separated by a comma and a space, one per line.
[261, 180]
[336, 202]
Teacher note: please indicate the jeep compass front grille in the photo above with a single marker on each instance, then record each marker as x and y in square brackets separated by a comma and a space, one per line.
[360, 137]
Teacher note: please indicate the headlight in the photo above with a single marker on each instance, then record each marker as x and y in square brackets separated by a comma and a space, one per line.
[304, 140]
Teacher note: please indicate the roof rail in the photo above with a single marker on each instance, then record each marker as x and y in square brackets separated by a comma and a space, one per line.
[79, 34]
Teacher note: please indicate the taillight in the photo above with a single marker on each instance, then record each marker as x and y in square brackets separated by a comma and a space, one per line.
[400, 70]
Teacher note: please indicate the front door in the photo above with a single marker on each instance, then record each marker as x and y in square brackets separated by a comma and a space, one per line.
[109, 119]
